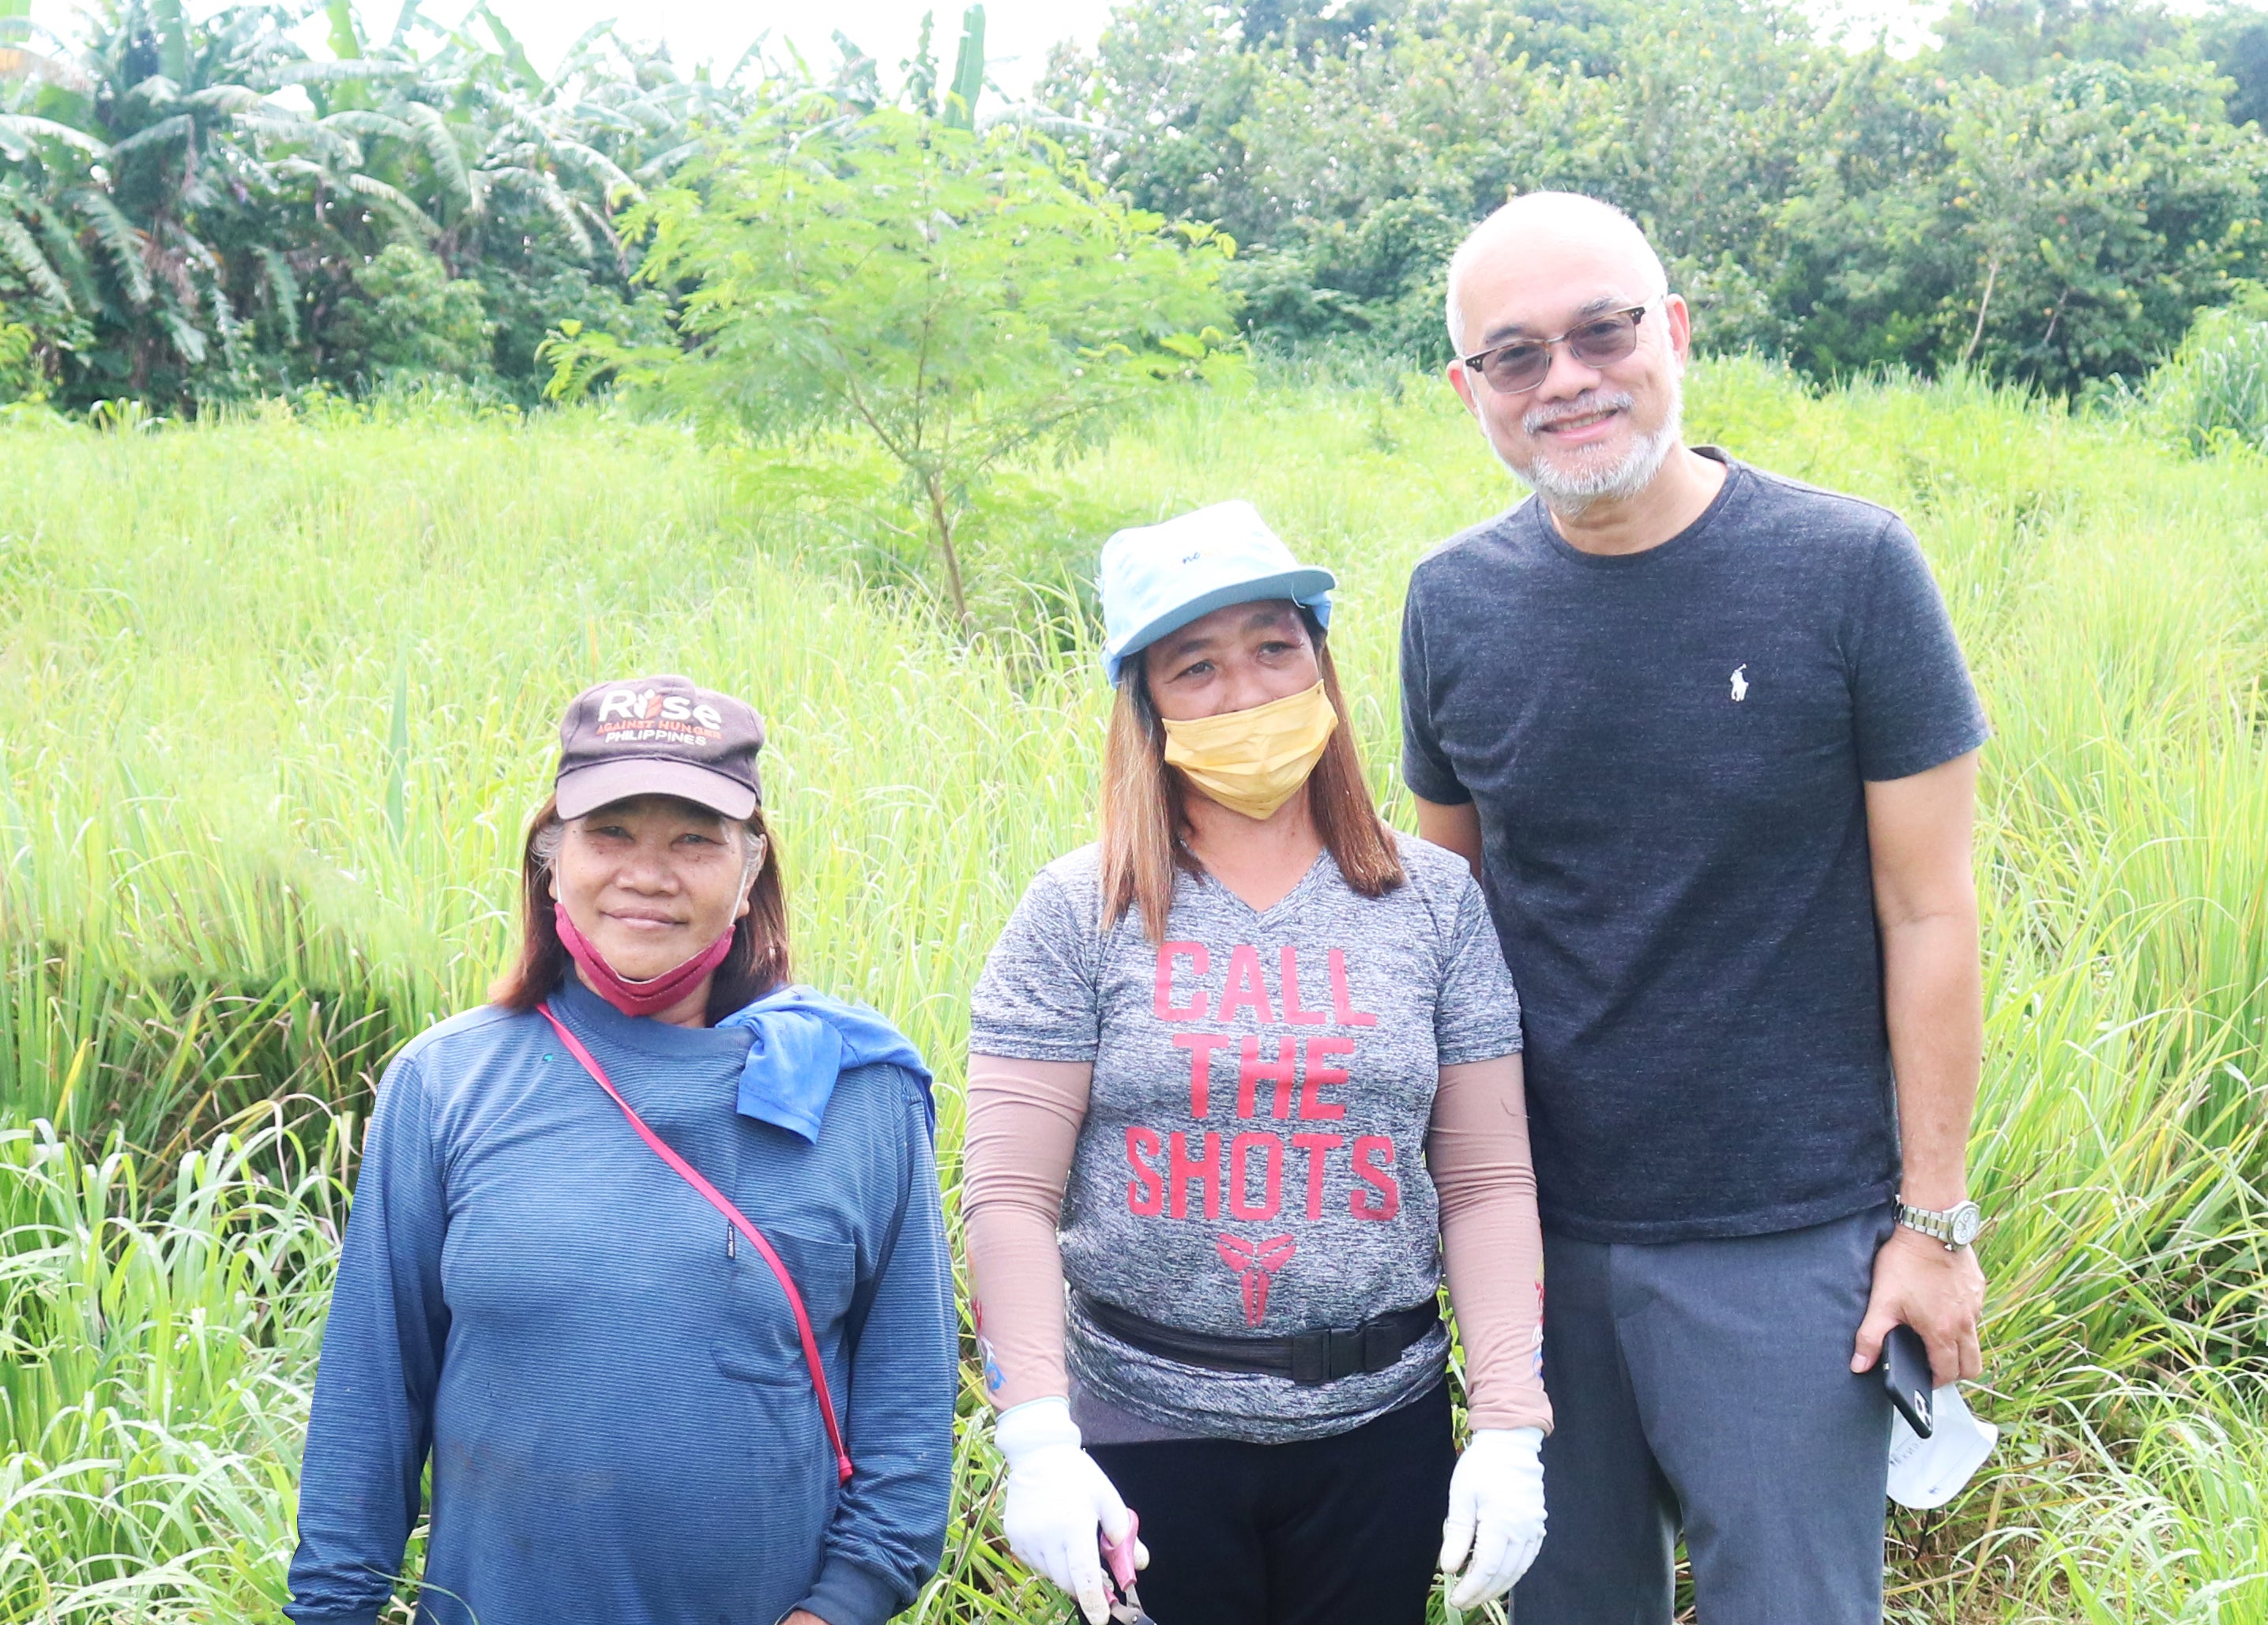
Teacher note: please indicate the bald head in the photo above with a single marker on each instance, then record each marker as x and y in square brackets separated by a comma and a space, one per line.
[1541, 238]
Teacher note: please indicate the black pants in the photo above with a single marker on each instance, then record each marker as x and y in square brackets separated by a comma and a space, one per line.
[1341, 1531]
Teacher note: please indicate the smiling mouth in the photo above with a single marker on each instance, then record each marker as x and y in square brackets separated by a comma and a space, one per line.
[644, 922]
[1572, 425]
[1580, 418]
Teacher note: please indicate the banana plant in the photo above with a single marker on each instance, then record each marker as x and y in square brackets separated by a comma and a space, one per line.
[186, 203]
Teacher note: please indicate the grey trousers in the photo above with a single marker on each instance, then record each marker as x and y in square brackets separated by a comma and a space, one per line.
[1707, 1386]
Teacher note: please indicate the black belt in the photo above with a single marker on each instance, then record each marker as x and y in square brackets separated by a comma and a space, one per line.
[1308, 1358]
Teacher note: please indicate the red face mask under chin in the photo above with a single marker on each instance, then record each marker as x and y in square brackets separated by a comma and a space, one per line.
[638, 998]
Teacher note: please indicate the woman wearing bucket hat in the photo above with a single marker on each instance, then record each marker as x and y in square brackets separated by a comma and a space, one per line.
[645, 1255]
[1243, 1076]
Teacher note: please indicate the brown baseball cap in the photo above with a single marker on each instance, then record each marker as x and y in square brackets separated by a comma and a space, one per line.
[659, 736]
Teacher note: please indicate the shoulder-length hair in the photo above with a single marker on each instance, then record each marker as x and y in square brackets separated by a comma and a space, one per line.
[757, 964]
[1144, 819]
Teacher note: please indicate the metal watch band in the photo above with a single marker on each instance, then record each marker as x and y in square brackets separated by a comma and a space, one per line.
[1956, 1227]
[1937, 1226]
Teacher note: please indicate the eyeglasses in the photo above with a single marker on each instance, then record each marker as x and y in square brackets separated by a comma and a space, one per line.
[1519, 366]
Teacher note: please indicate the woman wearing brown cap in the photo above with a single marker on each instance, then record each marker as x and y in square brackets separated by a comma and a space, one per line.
[647, 1259]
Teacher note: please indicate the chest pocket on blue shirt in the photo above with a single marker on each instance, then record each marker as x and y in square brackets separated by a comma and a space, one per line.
[756, 1340]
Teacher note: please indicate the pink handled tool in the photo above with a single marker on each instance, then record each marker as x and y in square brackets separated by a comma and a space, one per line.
[1119, 1557]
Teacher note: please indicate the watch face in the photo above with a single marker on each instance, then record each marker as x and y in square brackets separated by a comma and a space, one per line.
[1968, 1219]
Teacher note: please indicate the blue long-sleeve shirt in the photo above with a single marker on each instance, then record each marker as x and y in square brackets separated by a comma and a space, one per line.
[606, 1378]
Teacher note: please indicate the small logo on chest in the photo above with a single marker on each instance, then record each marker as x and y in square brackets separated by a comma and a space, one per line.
[1739, 682]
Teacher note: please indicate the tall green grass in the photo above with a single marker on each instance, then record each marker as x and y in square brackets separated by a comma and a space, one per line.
[275, 696]
[2211, 393]
[153, 1372]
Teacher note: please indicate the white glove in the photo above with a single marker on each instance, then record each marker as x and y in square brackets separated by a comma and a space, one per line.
[1057, 1499]
[1496, 1508]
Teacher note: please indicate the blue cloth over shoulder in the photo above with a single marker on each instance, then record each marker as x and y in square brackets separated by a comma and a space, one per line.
[799, 1041]
[611, 1396]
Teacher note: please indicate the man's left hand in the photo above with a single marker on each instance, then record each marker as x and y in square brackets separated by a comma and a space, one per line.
[1938, 1292]
[803, 1616]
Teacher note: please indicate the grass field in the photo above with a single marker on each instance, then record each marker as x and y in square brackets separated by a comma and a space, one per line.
[275, 696]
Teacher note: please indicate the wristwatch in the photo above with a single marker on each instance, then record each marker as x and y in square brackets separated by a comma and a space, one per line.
[1956, 1227]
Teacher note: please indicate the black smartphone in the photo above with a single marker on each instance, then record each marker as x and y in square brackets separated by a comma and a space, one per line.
[1905, 1373]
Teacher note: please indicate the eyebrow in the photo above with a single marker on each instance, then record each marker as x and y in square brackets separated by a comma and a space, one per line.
[1504, 331]
[652, 803]
[1253, 623]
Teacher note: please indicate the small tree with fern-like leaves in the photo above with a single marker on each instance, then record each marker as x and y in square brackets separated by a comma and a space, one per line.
[958, 296]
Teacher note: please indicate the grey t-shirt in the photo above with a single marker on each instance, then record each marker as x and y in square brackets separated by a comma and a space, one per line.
[1252, 1161]
[1668, 751]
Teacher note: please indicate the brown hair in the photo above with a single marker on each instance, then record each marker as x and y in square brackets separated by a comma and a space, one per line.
[757, 964]
[1144, 819]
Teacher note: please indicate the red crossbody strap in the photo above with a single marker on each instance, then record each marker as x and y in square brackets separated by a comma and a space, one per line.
[691, 1175]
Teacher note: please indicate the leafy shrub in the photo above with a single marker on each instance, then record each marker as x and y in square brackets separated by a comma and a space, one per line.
[413, 317]
[20, 377]
[526, 309]
[1382, 276]
[2212, 395]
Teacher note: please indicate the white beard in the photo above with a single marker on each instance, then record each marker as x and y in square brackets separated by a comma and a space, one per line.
[1572, 492]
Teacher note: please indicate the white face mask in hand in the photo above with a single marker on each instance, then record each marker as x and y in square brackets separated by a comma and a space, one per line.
[1496, 1510]
[1927, 1472]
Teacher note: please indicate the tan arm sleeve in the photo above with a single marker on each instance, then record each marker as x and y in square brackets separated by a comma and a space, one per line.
[1476, 1151]
[1023, 1124]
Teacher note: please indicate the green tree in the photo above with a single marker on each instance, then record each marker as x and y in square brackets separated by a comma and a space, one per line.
[1349, 160]
[414, 318]
[2234, 37]
[958, 297]
[2130, 207]
[2015, 42]
[2048, 194]
[189, 201]
[1857, 255]
[2064, 229]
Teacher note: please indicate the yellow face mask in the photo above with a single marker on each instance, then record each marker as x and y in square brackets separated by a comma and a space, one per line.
[1253, 761]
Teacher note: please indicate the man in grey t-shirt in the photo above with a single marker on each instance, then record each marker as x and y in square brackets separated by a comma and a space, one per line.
[1705, 736]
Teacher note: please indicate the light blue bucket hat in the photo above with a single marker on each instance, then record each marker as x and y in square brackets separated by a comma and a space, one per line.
[1157, 578]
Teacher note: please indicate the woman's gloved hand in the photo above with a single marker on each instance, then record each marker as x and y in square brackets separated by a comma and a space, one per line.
[1057, 1500]
[1496, 1512]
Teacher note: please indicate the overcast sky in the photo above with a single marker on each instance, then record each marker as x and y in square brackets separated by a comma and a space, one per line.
[1018, 33]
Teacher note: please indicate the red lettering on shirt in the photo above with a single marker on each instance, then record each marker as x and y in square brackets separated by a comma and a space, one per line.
[1183, 1171]
[1318, 1148]
[1320, 1074]
[1294, 1078]
[1146, 1194]
[1250, 1070]
[1342, 1005]
[1248, 985]
[1292, 1011]
[1200, 962]
[1239, 1177]
[1201, 1046]
[1387, 1202]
